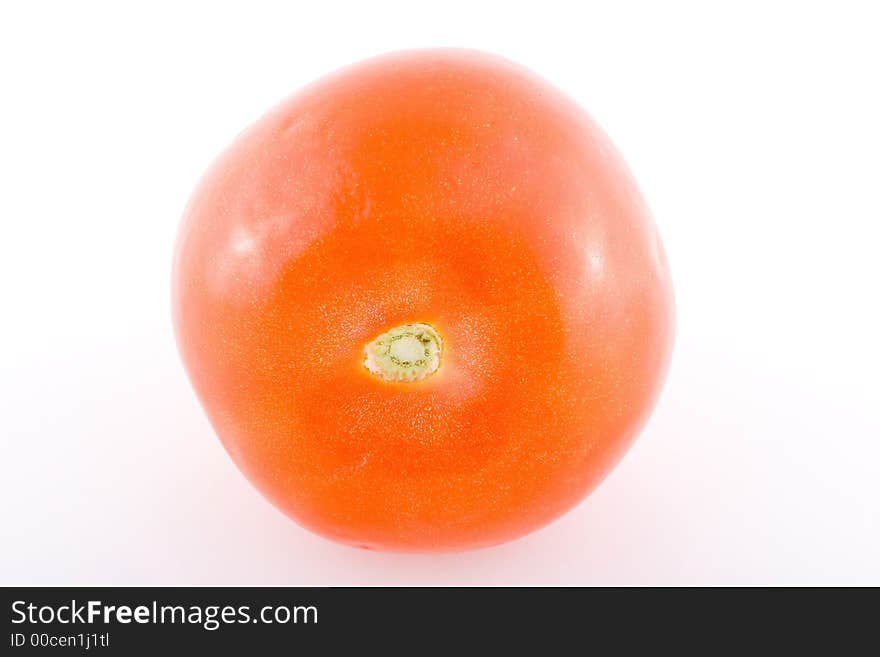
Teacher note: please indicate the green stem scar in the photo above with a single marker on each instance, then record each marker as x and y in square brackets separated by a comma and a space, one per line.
[409, 352]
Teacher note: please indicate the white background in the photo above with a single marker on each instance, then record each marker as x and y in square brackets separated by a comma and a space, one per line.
[753, 130]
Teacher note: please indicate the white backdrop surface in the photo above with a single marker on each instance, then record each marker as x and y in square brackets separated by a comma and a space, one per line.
[753, 130]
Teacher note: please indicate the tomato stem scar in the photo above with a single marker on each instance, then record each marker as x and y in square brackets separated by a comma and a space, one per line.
[409, 352]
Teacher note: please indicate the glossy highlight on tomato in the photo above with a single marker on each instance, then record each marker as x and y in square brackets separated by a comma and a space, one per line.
[423, 303]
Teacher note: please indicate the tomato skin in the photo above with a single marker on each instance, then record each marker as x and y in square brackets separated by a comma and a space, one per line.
[451, 188]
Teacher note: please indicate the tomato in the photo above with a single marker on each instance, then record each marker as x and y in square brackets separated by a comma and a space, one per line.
[423, 303]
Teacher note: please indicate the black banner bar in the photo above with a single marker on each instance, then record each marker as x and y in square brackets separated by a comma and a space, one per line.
[134, 621]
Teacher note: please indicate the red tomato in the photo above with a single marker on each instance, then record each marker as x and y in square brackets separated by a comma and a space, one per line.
[423, 303]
